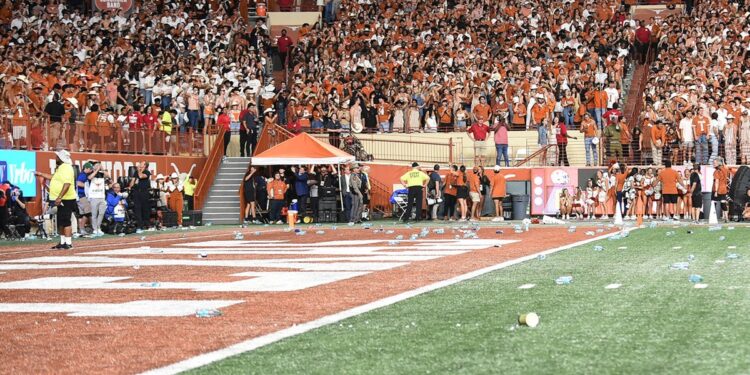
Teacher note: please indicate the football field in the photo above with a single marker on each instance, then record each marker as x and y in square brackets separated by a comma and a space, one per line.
[432, 298]
[625, 311]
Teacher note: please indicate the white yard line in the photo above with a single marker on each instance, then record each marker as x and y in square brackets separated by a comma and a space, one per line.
[257, 342]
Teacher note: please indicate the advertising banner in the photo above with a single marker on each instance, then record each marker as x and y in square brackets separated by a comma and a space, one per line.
[18, 167]
[109, 5]
[546, 186]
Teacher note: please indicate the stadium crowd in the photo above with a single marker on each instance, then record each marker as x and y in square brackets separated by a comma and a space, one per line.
[697, 98]
[484, 67]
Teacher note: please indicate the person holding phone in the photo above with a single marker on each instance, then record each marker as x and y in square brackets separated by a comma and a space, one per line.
[63, 196]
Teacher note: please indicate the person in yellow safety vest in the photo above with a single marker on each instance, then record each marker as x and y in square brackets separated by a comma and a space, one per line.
[166, 124]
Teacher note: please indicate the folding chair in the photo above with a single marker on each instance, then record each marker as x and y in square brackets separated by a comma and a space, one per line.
[400, 201]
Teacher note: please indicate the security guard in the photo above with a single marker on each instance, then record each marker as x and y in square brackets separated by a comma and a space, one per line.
[415, 180]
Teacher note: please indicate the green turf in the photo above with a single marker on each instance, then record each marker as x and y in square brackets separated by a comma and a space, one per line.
[656, 323]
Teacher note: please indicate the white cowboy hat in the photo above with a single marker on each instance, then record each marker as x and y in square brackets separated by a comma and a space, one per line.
[64, 155]
[74, 102]
[174, 175]
[268, 110]
[357, 127]
[159, 177]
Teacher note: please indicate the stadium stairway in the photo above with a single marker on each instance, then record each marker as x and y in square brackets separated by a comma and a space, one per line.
[223, 203]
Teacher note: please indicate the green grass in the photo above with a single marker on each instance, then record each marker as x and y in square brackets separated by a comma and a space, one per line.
[656, 323]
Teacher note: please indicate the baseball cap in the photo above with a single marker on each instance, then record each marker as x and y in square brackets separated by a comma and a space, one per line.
[415, 164]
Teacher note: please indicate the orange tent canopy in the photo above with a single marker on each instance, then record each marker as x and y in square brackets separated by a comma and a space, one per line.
[302, 149]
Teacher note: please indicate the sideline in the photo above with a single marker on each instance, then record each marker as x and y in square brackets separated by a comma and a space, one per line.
[257, 342]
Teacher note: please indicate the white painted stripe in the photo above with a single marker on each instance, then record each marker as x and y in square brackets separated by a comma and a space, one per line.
[254, 343]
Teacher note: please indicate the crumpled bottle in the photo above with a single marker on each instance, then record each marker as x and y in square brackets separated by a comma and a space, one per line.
[695, 278]
[564, 280]
[207, 313]
[679, 266]
[598, 248]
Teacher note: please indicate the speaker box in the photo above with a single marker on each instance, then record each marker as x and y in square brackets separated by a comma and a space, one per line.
[738, 189]
[169, 219]
[328, 205]
[327, 216]
[192, 218]
[326, 192]
[132, 171]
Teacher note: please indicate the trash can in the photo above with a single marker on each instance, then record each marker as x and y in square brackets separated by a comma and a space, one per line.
[520, 206]
[707, 206]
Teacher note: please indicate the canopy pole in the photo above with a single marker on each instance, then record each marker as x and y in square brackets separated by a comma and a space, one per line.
[341, 192]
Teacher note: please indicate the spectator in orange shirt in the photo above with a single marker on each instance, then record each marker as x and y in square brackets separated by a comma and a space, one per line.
[669, 179]
[720, 187]
[276, 192]
[590, 133]
[658, 140]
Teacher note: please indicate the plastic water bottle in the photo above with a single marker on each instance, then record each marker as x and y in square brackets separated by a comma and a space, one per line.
[590, 233]
[564, 280]
[691, 258]
[400, 237]
[153, 284]
[516, 227]
[680, 266]
[733, 256]
[730, 228]
[334, 227]
[572, 229]
[541, 257]
[413, 237]
[208, 224]
[670, 233]
[390, 231]
[599, 230]
[239, 236]
[393, 243]
[207, 313]
[695, 278]
[301, 233]
[256, 233]
[652, 225]
[320, 232]
[598, 248]
[714, 228]
[615, 237]
[438, 231]
[722, 238]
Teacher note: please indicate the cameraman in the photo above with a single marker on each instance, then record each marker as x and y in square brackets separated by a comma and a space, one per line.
[116, 206]
[140, 187]
[19, 217]
[4, 208]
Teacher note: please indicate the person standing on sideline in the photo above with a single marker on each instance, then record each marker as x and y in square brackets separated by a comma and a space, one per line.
[302, 190]
[721, 187]
[501, 138]
[284, 43]
[175, 188]
[97, 198]
[415, 181]
[669, 179]
[355, 188]
[497, 190]
[190, 184]
[247, 130]
[434, 192]
[84, 207]
[62, 195]
[276, 191]
[696, 193]
[140, 186]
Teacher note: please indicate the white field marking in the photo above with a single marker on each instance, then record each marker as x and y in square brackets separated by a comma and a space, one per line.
[252, 282]
[142, 308]
[420, 243]
[279, 243]
[364, 253]
[700, 286]
[257, 342]
[526, 286]
[612, 286]
[31, 263]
